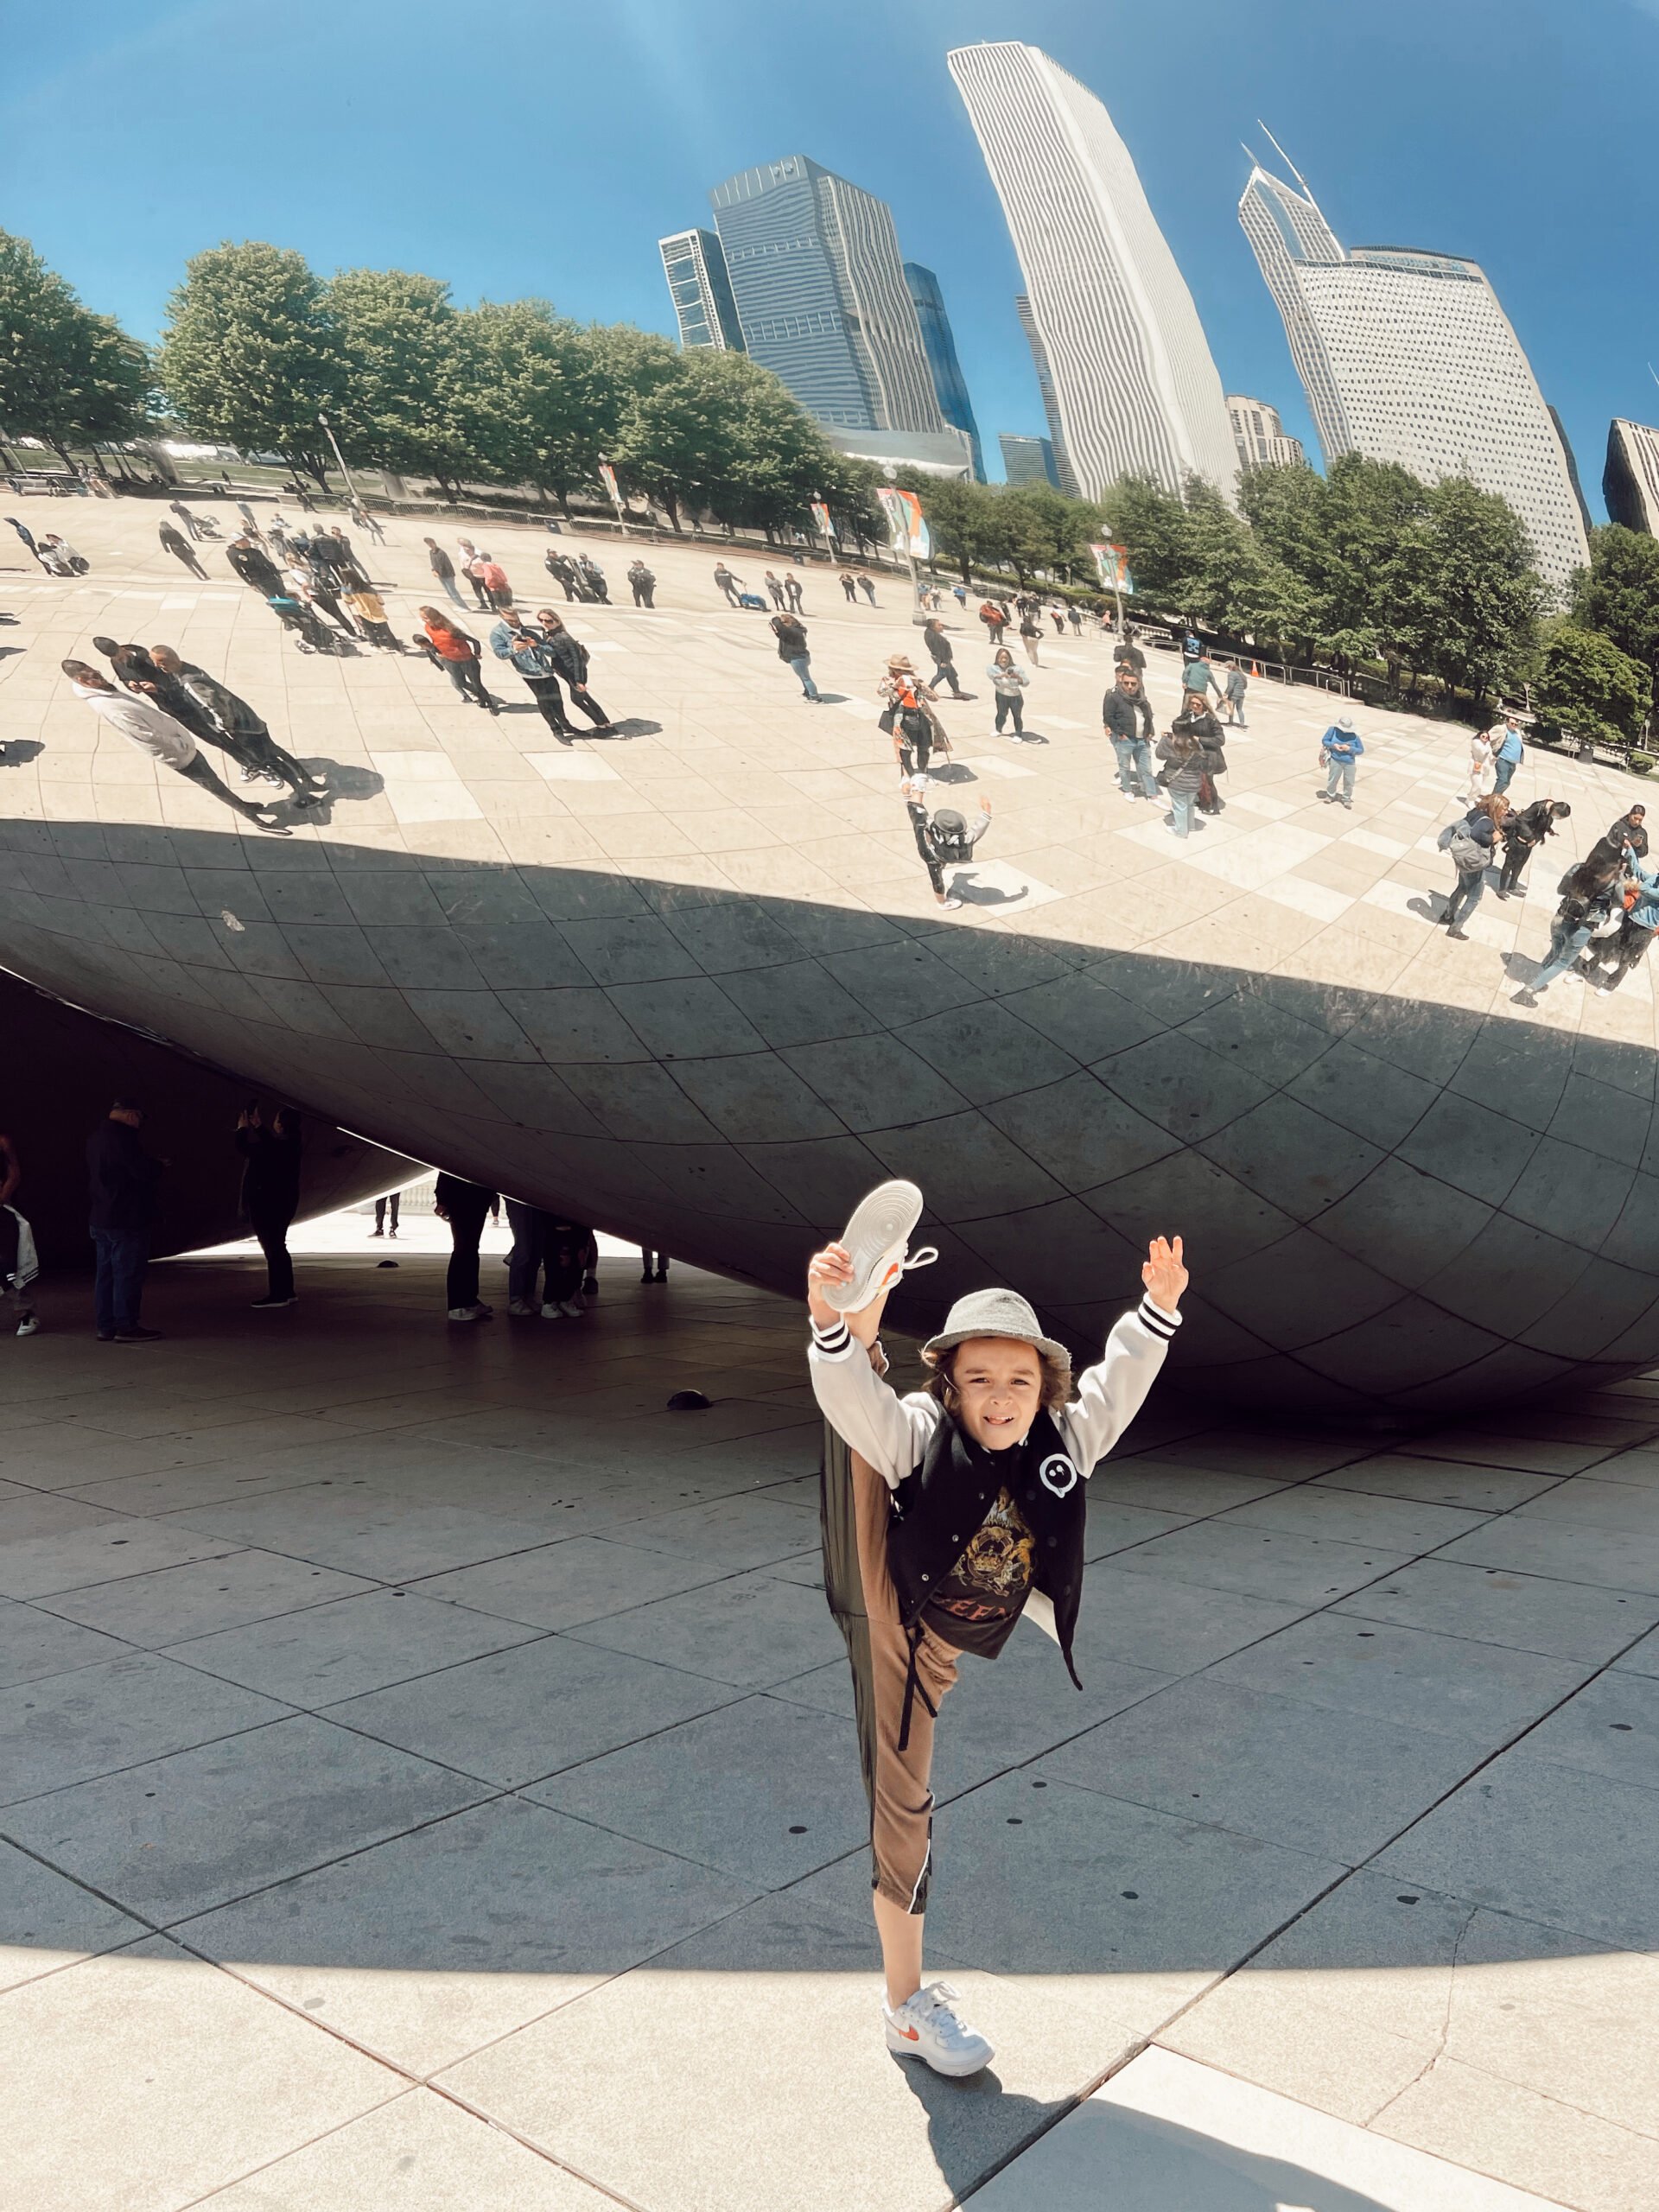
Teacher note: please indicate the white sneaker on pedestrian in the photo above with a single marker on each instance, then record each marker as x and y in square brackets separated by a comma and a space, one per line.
[522, 1310]
[928, 2026]
[877, 1238]
[29, 1325]
[573, 1309]
[552, 1310]
[470, 1312]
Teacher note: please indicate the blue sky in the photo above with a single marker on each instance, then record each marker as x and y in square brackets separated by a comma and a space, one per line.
[538, 146]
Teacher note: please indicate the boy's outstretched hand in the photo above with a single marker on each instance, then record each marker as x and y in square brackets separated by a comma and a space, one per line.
[1163, 1275]
[835, 1264]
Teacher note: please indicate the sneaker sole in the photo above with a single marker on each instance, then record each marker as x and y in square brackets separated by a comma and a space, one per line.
[876, 1236]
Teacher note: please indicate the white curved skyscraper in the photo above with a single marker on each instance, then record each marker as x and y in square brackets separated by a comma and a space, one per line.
[1407, 356]
[1135, 390]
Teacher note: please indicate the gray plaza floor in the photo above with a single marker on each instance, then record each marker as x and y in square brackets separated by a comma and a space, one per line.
[427, 1780]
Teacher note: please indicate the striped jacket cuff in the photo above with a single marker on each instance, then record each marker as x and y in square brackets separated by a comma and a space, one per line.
[835, 1342]
[1152, 1317]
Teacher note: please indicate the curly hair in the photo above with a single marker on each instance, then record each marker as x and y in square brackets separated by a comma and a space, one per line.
[1057, 1379]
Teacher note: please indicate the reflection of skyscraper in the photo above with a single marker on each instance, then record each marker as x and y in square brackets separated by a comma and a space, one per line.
[1629, 483]
[938, 342]
[701, 290]
[1260, 435]
[821, 294]
[1061, 469]
[1028, 460]
[1135, 391]
[1407, 356]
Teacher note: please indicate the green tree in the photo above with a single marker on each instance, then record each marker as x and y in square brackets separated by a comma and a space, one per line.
[723, 435]
[1047, 530]
[967, 522]
[247, 358]
[406, 379]
[1588, 689]
[1618, 593]
[67, 375]
[1477, 600]
[534, 403]
[1152, 523]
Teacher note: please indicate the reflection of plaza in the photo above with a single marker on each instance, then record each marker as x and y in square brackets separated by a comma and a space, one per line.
[694, 978]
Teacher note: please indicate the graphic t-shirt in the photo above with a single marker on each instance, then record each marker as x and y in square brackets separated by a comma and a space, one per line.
[978, 1603]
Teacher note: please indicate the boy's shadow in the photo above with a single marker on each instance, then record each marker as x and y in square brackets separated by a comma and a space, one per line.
[16, 751]
[953, 771]
[343, 783]
[974, 893]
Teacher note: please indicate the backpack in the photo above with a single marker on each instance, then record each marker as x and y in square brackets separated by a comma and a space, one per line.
[948, 835]
[1468, 854]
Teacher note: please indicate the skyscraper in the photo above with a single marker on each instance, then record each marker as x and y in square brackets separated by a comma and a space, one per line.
[1065, 477]
[1406, 356]
[701, 290]
[821, 294]
[1629, 482]
[1028, 460]
[950, 385]
[1135, 391]
[1260, 435]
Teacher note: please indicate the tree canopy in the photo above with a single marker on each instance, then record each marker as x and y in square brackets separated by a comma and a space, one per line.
[68, 377]
[248, 356]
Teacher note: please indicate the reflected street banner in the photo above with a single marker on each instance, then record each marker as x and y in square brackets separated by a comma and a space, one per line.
[1112, 562]
[908, 531]
[822, 520]
[607, 478]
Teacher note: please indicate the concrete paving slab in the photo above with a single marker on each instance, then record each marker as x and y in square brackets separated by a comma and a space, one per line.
[349, 1646]
[66, 1728]
[763, 1789]
[1611, 1727]
[178, 1835]
[1334, 1783]
[748, 1629]
[34, 1643]
[1616, 1508]
[145, 2079]
[420, 2153]
[1112, 1526]
[520, 1715]
[783, 2004]
[1564, 1620]
[1437, 1482]
[175, 1601]
[561, 1585]
[26, 1514]
[1174, 1627]
[1164, 1487]
[748, 1530]
[1545, 1841]
[37, 1566]
[429, 1946]
[47, 1921]
[382, 1539]
[1401, 1525]
[1482, 1693]
[1168, 2135]
[1257, 1562]
[1611, 1562]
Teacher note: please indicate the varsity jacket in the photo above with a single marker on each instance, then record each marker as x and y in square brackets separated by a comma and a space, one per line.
[893, 1436]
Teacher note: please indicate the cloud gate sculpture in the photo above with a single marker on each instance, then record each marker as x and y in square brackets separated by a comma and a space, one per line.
[691, 982]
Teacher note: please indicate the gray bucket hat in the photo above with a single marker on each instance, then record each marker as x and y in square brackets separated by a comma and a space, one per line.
[992, 1314]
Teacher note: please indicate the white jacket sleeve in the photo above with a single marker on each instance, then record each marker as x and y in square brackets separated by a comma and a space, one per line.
[1112, 1392]
[891, 1432]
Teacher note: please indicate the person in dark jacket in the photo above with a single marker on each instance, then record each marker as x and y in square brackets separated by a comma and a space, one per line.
[1201, 723]
[791, 634]
[1522, 833]
[1125, 715]
[1472, 844]
[641, 582]
[571, 658]
[243, 734]
[944, 659]
[182, 550]
[533, 656]
[1182, 778]
[1629, 833]
[444, 570]
[466, 1206]
[949, 1515]
[250, 561]
[125, 1183]
[1127, 650]
[271, 1193]
[1586, 903]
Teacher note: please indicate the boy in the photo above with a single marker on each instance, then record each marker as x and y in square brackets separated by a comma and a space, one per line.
[948, 1514]
[1339, 749]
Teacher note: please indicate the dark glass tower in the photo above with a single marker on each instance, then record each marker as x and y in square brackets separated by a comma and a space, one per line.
[940, 346]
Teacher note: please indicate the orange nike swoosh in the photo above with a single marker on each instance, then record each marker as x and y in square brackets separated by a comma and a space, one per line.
[910, 2035]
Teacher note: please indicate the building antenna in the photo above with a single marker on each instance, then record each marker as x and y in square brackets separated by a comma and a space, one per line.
[1283, 155]
[1652, 373]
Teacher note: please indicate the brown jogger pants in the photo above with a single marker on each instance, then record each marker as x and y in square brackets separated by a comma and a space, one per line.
[855, 1506]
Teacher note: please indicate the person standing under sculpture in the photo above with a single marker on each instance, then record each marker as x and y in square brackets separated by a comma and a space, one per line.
[19, 1265]
[1627, 946]
[253, 564]
[641, 582]
[1471, 844]
[569, 657]
[1234, 686]
[466, 1206]
[394, 1200]
[1592, 889]
[947, 1515]
[456, 652]
[153, 730]
[271, 1193]
[512, 640]
[730, 586]
[182, 550]
[791, 649]
[125, 1192]
[1523, 832]
[1125, 715]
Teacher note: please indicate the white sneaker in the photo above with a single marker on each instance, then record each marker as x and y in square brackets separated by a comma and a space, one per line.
[522, 1310]
[574, 1309]
[878, 1236]
[469, 1312]
[28, 1325]
[927, 2026]
[552, 1310]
